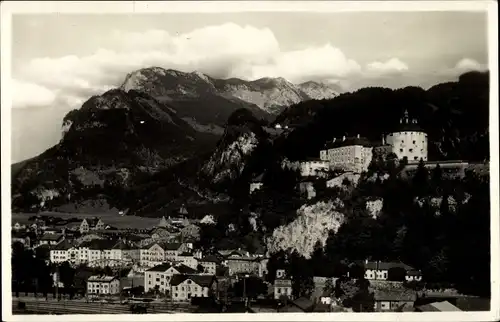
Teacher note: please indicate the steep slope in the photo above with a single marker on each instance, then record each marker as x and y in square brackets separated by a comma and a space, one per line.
[313, 224]
[240, 152]
[106, 144]
[186, 92]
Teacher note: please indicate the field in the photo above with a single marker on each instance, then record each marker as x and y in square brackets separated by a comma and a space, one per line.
[114, 220]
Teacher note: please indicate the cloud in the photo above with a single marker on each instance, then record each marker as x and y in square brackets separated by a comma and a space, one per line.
[26, 94]
[393, 65]
[467, 64]
[223, 51]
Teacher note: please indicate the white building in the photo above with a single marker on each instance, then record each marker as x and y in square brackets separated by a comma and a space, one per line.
[348, 154]
[209, 264]
[159, 276]
[152, 255]
[314, 168]
[409, 140]
[103, 285]
[185, 287]
[188, 259]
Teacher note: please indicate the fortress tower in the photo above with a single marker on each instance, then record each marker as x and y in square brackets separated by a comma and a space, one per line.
[408, 140]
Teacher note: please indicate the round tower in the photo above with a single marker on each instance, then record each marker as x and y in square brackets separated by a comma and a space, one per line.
[408, 140]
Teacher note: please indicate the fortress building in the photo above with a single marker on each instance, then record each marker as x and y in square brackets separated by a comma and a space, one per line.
[348, 154]
[409, 140]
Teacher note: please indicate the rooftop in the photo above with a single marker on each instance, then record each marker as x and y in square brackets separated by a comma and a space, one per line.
[97, 278]
[201, 280]
[443, 306]
[386, 265]
[348, 141]
[51, 237]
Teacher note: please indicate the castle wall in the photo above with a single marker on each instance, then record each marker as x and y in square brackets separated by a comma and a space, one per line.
[412, 145]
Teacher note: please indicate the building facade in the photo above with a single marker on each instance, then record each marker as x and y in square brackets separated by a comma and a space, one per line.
[409, 140]
[186, 287]
[159, 277]
[103, 285]
[352, 154]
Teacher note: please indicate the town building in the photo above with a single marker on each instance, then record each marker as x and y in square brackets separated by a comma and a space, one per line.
[314, 168]
[152, 255]
[159, 277]
[91, 224]
[209, 264]
[394, 299]
[50, 239]
[59, 253]
[103, 285]
[378, 270]
[186, 287]
[282, 286]
[409, 140]
[188, 259]
[352, 154]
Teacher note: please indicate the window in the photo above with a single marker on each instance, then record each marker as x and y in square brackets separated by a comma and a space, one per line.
[157, 279]
[182, 288]
[279, 290]
[415, 158]
[400, 150]
[414, 141]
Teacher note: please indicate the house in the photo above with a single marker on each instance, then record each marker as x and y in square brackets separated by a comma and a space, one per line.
[172, 250]
[443, 306]
[282, 285]
[210, 264]
[243, 264]
[314, 168]
[151, 255]
[91, 224]
[59, 253]
[50, 239]
[188, 259]
[256, 183]
[185, 287]
[159, 277]
[377, 270]
[103, 285]
[393, 299]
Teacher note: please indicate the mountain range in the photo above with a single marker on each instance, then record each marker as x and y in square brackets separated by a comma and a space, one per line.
[206, 102]
[167, 138]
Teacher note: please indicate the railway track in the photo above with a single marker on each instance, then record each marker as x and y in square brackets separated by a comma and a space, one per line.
[77, 307]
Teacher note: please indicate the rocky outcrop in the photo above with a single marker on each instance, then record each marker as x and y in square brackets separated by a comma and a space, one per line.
[312, 224]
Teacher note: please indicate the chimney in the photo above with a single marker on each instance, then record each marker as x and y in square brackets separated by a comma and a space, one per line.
[343, 138]
[358, 136]
[334, 139]
[383, 139]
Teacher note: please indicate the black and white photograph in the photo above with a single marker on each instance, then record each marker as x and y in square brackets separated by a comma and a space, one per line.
[253, 157]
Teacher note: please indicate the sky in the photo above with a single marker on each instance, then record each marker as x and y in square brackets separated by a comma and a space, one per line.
[61, 60]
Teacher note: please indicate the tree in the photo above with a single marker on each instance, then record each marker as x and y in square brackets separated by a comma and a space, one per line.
[356, 271]
[302, 275]
[329, 288]
[251, 286]
[396, 274]
[67, 277]
[354, 293]
[437, 176]
[318, 260]
[420, 180]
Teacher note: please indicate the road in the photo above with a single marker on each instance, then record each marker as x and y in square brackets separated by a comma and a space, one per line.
[82, 307]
